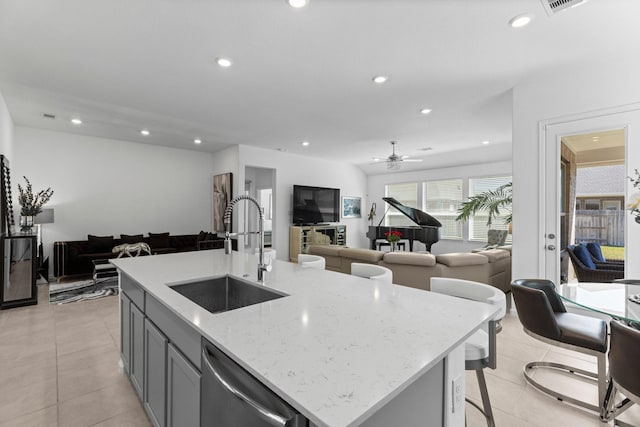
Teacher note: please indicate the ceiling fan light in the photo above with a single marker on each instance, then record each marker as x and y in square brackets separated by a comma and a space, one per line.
[393, 165]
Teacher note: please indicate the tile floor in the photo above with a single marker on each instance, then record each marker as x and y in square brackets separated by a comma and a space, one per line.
[59, 367]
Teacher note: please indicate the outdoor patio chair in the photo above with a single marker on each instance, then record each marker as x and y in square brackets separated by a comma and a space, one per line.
[598, 257]
[588, 271]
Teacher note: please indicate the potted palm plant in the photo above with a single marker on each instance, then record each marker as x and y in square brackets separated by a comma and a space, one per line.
[491, 202]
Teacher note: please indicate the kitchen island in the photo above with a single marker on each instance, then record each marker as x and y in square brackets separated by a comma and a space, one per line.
[340, 349]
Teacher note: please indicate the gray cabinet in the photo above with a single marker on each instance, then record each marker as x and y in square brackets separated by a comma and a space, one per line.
[183, 391]
[136, 355]
[155, 366]
[153, 345]
[125, 331]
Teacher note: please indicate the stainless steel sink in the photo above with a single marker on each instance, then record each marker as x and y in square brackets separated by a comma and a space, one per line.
[225, 293]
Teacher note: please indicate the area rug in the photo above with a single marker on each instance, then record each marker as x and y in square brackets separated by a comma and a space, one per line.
[63, 293]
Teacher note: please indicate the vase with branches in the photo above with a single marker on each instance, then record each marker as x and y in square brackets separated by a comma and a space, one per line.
[492, 201]
[31, 204]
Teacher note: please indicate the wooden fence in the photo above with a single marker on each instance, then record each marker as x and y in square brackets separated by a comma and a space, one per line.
[605, 227]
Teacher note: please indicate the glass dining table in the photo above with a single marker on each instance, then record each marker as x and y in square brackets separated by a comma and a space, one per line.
[612, 299]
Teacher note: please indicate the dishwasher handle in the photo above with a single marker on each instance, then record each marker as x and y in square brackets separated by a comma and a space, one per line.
[267, 415]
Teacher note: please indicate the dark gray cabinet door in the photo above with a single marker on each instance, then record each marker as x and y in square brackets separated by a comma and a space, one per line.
[136, 359]
[183, 391]
[125, 331]
[155, 357]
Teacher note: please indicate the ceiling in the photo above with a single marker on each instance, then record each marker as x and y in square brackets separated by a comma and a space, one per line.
[597, 148]
[297, 74]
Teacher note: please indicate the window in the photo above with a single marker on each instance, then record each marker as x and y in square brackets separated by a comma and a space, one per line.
[611, 205]
[478, 223]
[441, 199]
[592, 204]
[407, 194]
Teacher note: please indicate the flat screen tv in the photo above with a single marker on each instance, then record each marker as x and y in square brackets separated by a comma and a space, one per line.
[315, 205]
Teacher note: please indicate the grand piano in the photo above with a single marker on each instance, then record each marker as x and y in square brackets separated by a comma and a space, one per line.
[427, 231]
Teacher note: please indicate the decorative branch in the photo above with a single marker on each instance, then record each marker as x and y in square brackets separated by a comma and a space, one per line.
[32, 204]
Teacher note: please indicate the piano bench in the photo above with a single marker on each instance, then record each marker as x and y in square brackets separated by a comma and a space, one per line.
[399, 245]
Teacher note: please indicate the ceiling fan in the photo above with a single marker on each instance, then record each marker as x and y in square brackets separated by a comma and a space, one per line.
[394, 160]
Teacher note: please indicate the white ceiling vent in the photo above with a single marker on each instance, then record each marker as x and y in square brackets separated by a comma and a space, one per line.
[555, 6]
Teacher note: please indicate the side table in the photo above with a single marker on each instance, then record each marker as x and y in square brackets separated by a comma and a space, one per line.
[103, 269]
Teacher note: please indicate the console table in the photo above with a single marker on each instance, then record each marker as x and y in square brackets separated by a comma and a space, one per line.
[19, 259]
[302, 236]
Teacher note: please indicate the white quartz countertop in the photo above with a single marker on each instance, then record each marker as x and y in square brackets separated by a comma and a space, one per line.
[337, 348]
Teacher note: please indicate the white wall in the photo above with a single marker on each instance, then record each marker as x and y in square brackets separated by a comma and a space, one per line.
[6, 131]
[376, 186]
[225, 161]
[598, 85]
[108, 187]
[295, 169]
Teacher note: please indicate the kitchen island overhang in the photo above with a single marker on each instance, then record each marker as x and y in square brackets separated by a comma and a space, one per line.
[338, 348]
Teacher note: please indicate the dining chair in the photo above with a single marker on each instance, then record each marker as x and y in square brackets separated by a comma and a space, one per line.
[371, 271]
[311, 261]
[544, 317]
[624, 371]
[480, 348]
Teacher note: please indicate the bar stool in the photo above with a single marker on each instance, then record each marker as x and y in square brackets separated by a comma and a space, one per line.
[373, 272]
[480, 348]
[545, 318]
[624, 371]
[311, 261]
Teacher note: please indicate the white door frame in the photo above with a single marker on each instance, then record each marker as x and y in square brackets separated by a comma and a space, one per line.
[549, 133]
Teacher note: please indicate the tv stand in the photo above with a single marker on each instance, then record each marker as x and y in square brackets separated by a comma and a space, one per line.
[303, 236]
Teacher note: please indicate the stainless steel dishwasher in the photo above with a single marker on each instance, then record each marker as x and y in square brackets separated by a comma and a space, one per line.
[232, 397]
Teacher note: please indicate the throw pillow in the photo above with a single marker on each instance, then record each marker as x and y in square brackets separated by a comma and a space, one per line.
[201, 236]
[584, 256]
[159, 240]
[99, 244]
[131, 238]
[595, 250]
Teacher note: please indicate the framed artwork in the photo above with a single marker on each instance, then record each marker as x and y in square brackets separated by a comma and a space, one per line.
[222, 195]
[351, 207]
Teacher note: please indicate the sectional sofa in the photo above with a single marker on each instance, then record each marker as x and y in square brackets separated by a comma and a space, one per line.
[75, 258]
[416, 269]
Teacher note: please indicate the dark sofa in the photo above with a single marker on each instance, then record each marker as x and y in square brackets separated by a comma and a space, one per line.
[75, 258]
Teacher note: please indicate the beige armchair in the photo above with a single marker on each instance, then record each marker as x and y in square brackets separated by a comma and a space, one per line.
[495, 238]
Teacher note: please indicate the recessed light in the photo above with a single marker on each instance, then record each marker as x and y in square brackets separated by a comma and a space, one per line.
[76, 121]
[520, 20]
[224, 62]
[145, 132]
[305, 143]
[380, 79]
[486, 142]
[425, 111]
[197, 141]
[297, 4]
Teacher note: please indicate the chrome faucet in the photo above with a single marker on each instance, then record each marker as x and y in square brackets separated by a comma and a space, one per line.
[262, 267]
